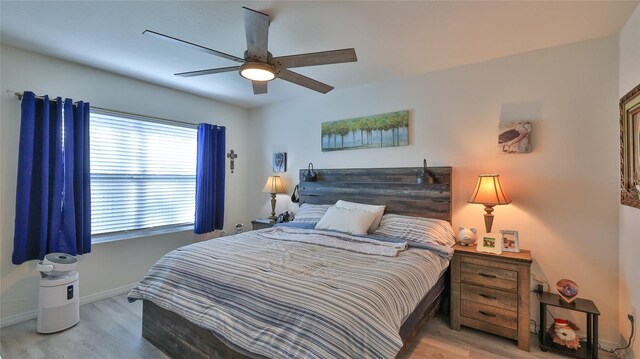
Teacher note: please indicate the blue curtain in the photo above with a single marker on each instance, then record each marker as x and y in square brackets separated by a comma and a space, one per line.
[53, 191]
[210, 169]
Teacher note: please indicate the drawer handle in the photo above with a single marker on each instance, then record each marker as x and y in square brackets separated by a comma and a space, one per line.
[487, 275]
[487, 314]
[487, 296]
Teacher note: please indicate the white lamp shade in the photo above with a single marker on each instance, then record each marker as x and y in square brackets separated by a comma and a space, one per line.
[273, 185]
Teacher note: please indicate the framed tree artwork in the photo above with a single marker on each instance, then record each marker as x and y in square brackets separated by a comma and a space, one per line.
[384, 130]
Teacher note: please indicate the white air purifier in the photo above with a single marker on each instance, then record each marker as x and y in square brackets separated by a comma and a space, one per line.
[58, 305]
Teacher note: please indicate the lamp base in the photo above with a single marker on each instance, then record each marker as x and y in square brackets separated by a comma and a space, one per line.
[273, 207]
[488, 217]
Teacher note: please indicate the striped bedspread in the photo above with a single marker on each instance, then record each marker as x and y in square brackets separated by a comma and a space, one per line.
[289, 299]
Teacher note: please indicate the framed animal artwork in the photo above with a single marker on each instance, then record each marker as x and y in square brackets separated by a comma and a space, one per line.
[514, 137]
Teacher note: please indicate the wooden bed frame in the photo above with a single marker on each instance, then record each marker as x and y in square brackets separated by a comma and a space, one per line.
[394, 187]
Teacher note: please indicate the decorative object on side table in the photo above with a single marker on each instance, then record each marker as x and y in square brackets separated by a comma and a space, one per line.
[563, 332]
[587, 348]
[514, 137]
[280, 162]
[489, 244]
[273, 186]
[467, 236]
[567, 290]
[510, 241]
[491, 293]
[490, 193]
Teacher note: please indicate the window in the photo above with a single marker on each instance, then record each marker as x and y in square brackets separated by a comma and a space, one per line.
[143, 174]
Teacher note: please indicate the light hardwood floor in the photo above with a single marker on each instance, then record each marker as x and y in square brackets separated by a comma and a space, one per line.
[111, 328]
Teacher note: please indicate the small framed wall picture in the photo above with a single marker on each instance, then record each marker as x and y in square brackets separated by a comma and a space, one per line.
[514, 137]
[280, 162]
[489, 243]
[509, 239]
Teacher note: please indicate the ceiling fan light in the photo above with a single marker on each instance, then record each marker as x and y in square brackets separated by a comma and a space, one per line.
[257, 71]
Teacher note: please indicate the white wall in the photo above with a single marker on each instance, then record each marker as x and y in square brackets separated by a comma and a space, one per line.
[629, 217]
[565, 193]
[110, 266]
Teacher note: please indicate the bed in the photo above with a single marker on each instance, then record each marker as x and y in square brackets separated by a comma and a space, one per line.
[269, 293]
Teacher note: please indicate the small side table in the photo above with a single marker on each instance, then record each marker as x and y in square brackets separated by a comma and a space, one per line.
[588, 351]
[261, 225]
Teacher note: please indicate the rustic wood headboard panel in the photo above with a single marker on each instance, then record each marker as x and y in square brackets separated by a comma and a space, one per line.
[394, 187]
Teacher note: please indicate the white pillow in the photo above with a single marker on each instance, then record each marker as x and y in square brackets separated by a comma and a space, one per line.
[417, 229]
[310, 213]
[351, 221]
[378, 210]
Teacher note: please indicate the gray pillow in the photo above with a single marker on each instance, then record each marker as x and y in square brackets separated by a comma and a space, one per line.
[417, 229]
[311, 213]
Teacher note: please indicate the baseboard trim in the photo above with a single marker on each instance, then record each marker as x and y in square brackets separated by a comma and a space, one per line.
[18, 318]
[106, 294]
[23, 317]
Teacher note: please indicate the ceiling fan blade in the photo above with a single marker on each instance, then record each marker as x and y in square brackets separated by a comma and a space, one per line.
[192, 45]
[256, 27]
[316, 58]
[303, 81]
[259, 87]
[208, 71]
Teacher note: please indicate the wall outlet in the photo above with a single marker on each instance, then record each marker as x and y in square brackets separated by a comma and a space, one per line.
[539, 288]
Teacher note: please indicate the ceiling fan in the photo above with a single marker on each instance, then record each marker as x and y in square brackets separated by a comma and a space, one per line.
[258, 65]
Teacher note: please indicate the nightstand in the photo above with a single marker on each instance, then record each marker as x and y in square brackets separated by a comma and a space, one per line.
[491, 292]
[261, 225]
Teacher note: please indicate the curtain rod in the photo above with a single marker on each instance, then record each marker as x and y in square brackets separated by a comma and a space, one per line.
[20, 95]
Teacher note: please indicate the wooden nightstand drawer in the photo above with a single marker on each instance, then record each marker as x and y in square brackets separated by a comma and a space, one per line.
[488, 296]
[489, 276]
[486, 313]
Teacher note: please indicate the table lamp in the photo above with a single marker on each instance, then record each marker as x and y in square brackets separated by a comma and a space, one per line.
[273, 186]
[489, 192]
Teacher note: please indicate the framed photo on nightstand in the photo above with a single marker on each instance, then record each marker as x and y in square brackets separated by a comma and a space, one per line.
[510, 242]
[489, 243]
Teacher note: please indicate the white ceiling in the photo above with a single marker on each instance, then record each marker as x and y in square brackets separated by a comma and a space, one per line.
[392, 39]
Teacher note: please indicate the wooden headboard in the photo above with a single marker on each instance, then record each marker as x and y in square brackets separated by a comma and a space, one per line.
[394, 187]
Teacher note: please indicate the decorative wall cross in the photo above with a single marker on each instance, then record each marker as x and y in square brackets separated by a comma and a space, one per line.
[232, 156]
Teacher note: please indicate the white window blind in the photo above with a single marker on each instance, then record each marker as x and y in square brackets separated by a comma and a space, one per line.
[143, 173]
